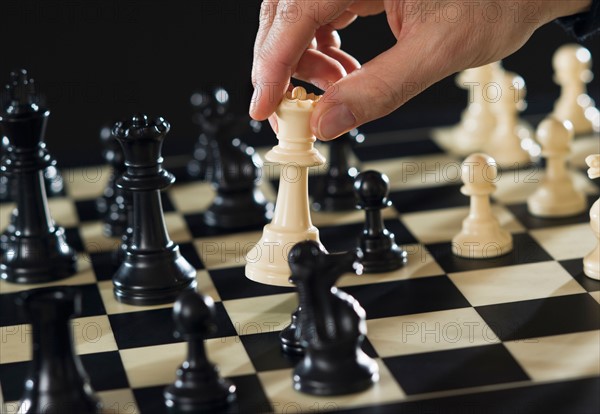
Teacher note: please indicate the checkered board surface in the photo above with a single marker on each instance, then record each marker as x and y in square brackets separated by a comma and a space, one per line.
[514, 334]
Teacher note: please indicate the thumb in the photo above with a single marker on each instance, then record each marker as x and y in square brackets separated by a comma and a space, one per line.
[378, 88]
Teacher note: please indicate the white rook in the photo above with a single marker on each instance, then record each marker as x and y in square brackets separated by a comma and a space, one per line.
[267, 261]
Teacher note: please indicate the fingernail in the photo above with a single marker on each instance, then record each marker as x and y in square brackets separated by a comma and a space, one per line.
[335, 122]
[253, 101]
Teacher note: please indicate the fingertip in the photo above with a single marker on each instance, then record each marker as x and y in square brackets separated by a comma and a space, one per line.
[273, 122]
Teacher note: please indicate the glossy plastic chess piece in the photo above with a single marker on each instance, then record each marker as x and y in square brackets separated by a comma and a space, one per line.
[266, 262]
[36, 250]
[57, 382]
[378, 249]
[335, 190]
[481, 236]
[591, 262]
[153, 270]
[232, 167]
[289, 336]
[332, 324]
[112, 204]
[506, 143]
[572, 71]
[478, 120]
[210, 109]
[556, 195]
[198, 388]
[5, 192]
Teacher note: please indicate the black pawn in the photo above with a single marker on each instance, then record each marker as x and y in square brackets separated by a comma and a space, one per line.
[331, 325]
[112, 204]
[57, 382]
[379, 251]
[335, 190]
[289, 337]
[198, 388]
[35, 249]
[153, 270]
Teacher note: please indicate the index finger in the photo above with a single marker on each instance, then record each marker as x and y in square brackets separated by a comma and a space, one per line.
[275, 59]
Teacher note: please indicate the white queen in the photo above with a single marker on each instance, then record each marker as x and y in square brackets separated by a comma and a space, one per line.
[267, 261]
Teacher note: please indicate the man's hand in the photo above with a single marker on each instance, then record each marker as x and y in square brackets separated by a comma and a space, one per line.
[435, 38]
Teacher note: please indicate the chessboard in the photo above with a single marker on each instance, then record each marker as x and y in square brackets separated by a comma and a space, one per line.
[518, 333]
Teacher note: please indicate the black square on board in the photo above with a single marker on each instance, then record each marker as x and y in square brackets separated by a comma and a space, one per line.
[532, 222]
[12, 378]
[575, 269]
[156, 327]
[422, 146]
[104, 264]
[346, 237]
[87, 211]
[428, 198]
[405, 297]
[199, 229]
[455, 369]
[74, 239]
[265, 352]
[251, 397]
[542, 317]
[525, 250]
[191, 255]
[167, 204]
[12, 314]
[150, 400]
[232, 283]
[105, 370]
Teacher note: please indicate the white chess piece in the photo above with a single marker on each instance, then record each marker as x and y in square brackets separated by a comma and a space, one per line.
[556, 195]
[481, 235]
[506, 141]
[478, 120]
[267, 261]
[591, 262]
[572, 71]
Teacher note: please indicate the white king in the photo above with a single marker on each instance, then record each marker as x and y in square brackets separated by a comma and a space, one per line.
[267, 261]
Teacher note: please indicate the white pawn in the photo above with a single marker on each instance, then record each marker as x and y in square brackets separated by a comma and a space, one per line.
[481, 236]
[556, 196]
[478, 120]
[572, 71]
[591, 262]
[505, 143]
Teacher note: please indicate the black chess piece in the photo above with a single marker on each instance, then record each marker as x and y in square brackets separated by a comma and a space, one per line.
[57, 382]
[5, 193]
[331, 324]
[198, 387]
[36, 250]
[335, 190]
[52, 178]
[153, 270]
[233, 168]
[239, 201]
[379, 251]
[289, 337]
[209, 109]
[112, 204]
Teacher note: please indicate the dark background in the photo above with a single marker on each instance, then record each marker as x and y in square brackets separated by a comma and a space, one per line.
[97, 61]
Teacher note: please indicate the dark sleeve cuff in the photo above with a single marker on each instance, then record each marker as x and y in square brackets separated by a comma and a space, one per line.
[583, 25]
